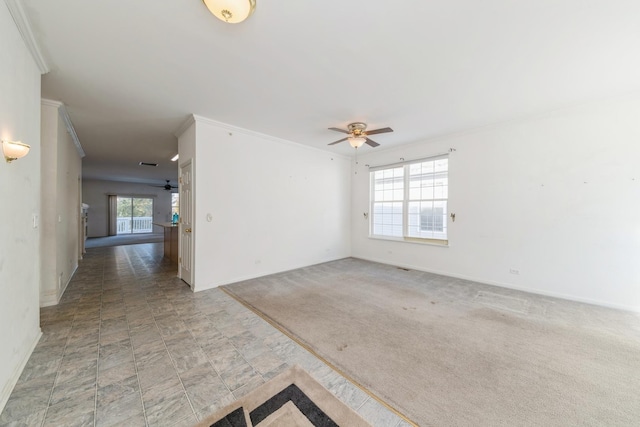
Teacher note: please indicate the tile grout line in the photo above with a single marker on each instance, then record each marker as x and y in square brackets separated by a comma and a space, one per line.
[173, 361]
[218, 373]
[55, 380]
[363, 403]
[209, 361]
[135, 366]
[131, 267]
[241, 353]
[95, 401]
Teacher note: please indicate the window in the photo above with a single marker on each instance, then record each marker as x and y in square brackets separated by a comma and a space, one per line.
[134, 215]
[175, 203]
[409, 201]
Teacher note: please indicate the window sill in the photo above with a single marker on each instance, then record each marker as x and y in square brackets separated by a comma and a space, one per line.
[415, 240]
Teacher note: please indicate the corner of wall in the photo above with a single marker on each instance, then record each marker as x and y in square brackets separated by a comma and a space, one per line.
[11, 383]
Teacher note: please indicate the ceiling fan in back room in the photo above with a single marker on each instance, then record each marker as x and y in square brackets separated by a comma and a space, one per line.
[359, 135]
[167, 186]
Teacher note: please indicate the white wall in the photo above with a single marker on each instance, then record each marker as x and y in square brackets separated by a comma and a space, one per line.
[60, 208]
[95, 194]
[556, 197]
[276, 205]
[20, 195]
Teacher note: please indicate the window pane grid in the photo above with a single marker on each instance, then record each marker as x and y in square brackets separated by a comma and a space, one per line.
[388, 185]
[424, 206]
[387, 219]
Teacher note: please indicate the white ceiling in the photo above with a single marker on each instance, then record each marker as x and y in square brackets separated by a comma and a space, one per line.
[130, 72]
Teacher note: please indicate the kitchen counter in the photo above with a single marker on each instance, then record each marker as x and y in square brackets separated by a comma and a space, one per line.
[171, 231]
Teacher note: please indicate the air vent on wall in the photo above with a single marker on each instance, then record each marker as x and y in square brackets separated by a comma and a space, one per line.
[147, 164]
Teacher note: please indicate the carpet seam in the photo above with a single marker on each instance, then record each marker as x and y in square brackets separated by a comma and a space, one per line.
[273, 323]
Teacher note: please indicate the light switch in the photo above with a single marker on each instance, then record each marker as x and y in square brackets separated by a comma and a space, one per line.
[36, 220]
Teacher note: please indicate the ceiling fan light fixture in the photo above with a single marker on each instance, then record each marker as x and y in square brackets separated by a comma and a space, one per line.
[231, 11]
[356, 141]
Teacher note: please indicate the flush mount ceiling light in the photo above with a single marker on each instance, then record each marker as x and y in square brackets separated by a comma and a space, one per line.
[14, 150]
[231, 11]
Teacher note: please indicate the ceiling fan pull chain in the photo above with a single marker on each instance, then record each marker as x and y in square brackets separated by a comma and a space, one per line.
[356, 168]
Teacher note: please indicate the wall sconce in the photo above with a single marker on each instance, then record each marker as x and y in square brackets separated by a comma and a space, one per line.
[14, 150]
[231, 11]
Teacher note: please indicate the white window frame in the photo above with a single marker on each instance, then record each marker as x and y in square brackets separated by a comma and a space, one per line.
[428, 237]
[177, 206]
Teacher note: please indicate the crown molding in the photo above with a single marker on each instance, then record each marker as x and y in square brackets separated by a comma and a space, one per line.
[185, 125]
[64, 115]
[51, 103]
[194, 118]
[24, 27]
[72, 131]
[234, 129]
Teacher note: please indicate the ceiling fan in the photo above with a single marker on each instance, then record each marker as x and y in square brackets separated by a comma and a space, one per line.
[358, 134]
[167, 186]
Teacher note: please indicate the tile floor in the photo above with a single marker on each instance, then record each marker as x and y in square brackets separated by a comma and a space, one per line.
[131, 345]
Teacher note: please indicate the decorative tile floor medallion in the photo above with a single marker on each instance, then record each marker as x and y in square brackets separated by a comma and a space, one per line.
[292, 398]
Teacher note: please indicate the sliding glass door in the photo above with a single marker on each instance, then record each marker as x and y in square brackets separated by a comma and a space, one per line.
[135, 215]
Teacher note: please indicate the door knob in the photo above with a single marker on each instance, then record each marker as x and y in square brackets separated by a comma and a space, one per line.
[187, 230]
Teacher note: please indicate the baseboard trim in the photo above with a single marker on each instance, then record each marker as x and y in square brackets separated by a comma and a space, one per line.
[67, 284]
[8, 388]
[49, 300]
[262, 274]
[509, 286]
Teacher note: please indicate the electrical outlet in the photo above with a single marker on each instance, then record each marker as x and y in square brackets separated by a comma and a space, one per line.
[514, 271]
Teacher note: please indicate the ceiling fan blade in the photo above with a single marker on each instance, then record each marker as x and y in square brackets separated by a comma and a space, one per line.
[339, 130]
[340, 140]
[381, 130]
[371, 143]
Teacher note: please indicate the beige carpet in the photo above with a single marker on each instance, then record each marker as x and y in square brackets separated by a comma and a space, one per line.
[274, 404]
[123, 239]
[445, 351]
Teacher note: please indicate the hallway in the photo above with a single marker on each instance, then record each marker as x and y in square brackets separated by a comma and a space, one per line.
[130, 344]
